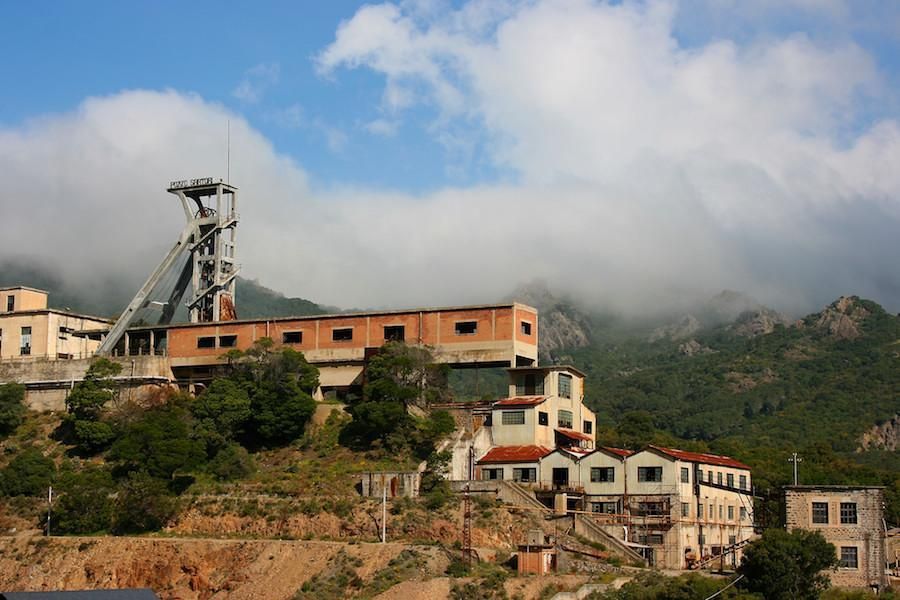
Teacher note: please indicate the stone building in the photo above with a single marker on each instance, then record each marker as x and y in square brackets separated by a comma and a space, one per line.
[851, 518]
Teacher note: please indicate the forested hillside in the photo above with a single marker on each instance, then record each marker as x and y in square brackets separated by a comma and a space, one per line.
[814, 387]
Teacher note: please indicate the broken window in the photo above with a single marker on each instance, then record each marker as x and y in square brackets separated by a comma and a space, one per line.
[466, 327]
[564, 419]
[526, 328]
[227, 341]
[10, 303]
[649, 473]
[730, 512]
[394, 333]
[685, 475]
[207, 341]
[25, 342]
[492, 474]
[513, 417]
[292, 337]
[588, 427]
[820, 512]
[685, 509]
[742, 482]
[64, 332]
[543, 418]
[607, 508]
[565, 385]
[850, 557]
[603, 474]
[729, 480]
[343, 334]
[525, 475]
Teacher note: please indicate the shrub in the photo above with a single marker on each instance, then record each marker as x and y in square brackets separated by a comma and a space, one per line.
[30, 473]
[85, 504]
[12, 407]
[143, 504]
[231, 462]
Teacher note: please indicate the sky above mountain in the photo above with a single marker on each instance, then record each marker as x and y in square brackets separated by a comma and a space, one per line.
[635, 154]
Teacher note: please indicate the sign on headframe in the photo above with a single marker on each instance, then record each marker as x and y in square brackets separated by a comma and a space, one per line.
[186, 183]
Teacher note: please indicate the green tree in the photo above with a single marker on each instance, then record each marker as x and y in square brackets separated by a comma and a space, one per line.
[144, 503]
[86, 403]
[85, 503]
[159, 442]
[12, 407]
[407, 375]
[30, 473]
[231, 462]
[221, 413]
[788, 566]
[280, 383]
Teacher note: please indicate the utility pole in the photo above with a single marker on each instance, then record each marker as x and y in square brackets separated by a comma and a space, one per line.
[795, 458]
[467, 526]
[49, 507]
[383, 511]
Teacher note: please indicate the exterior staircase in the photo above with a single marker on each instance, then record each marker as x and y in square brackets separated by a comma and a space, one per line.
[586, 527]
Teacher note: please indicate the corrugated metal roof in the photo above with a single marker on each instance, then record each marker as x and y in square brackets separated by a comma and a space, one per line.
[521, 401]
[510, 454]
[700, 457]
[574, 435]
[617, 451]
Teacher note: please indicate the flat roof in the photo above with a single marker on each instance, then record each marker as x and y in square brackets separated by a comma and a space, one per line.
[41, 311]
[346, 315]
[23, 287]
[549, 368]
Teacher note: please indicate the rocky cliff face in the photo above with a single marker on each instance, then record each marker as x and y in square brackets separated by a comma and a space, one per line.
[881, 437]
[562, 323]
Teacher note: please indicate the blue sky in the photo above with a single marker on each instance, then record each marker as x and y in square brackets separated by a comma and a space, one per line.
[59, 53]
[634, 153]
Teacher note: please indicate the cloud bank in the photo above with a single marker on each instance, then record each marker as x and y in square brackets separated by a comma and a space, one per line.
[647, 173]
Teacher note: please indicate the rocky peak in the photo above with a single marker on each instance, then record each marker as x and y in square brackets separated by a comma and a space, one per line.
[840, 319]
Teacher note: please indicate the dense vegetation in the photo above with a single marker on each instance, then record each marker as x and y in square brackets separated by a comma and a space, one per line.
[799, 388]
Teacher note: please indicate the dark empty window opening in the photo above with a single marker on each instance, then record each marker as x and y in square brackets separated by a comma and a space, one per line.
[543, 418]
[526, 328]
[344, 334]
[292, 337]
[588, 427]
[466, 327]
[227, 341]
[394, 333]
[10, 303]
[206, 342]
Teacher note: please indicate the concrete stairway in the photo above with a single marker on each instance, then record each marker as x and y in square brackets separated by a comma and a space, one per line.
[513, 493]
[586, 527]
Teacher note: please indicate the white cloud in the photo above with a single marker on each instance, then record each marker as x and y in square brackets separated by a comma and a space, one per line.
[647, 173]
[256, 82]
[382, 127]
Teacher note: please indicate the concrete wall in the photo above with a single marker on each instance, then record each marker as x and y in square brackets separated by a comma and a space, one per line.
[23, 299]
[867, 535]
[602, 460]
[46, 339]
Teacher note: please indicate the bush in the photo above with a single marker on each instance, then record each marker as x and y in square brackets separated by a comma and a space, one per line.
[783, 565]
[30, 473]
[85, 504]
[231, 462]
[12, 407]
[143, 504]
[221, 412]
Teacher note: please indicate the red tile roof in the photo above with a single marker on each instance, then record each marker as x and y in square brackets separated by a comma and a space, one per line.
[700, 457]
[511, 454]
[574, 435]
[521, 401]
[617, 451]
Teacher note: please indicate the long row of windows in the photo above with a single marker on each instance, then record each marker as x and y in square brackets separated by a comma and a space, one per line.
[720, 479]
[686, 511]
[564, 419]
[392, 333]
